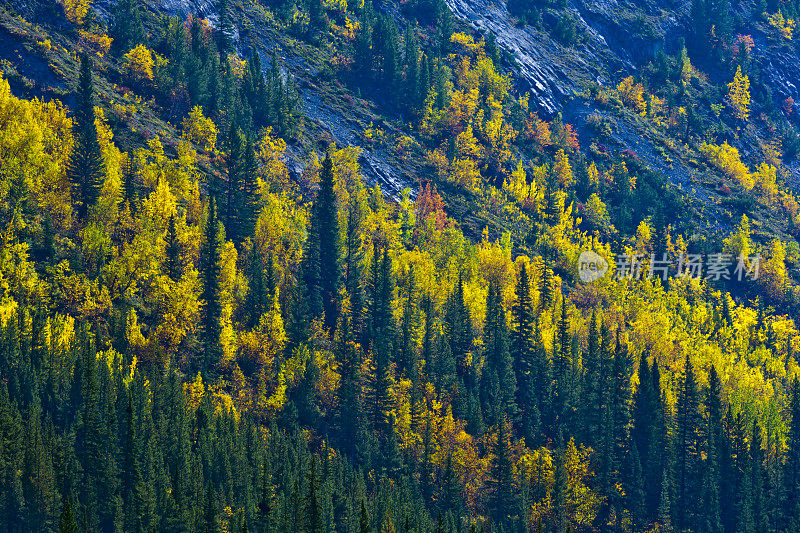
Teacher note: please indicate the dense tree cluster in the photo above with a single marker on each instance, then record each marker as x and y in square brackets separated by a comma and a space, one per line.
[228, 349]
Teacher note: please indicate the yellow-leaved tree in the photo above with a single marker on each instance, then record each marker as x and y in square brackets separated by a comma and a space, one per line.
[139, 63]
[200, 129]
[75, 10]
[739, 94]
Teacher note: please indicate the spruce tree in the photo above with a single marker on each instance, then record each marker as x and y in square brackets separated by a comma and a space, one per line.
[67, 523]
[458, 327]
[593, 384]
[233, 205]
[503, 498]
[327, 212]
[312, 513]
[717, 456]
[378, 392]
[407, 362]
[498, 364]
[210, 272]
[250, 205]
[86, 166]
[522, 349]
[688, 450]
[127, 28]
[791, 469]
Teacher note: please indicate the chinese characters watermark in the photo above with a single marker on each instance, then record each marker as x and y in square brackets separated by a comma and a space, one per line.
[714, 267]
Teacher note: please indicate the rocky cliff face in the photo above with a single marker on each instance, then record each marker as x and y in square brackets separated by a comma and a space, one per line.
[552, 72]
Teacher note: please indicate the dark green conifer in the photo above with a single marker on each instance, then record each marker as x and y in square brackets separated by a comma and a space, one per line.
[86, 166]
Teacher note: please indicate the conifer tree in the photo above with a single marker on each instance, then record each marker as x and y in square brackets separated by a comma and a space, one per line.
[354, 268]
[458, 327]
[312, 514]
[791, 470]
[378, 392]
[67, 523]
[251, 205]
[593, 383]
[327, 213]
[498, 383]
[127, 29]
[504, 500]
[210, 270]
[688, 450]
[407, 363]
[717, 456]
[86, 166]
[522, 348]
[233, 205]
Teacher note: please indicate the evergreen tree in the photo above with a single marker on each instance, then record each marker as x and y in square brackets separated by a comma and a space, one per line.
[86, 166]
[212, 307]
[407, 363]
[522, 349]
[504, 500]
[127, 29]
[312, 516]
[233, 205]
[498, 383]
[251, 204]
[382, 326]
[326, 211]
[67, 523]
[594, 384]
[458, 327]
[791, 470]
[688, 451]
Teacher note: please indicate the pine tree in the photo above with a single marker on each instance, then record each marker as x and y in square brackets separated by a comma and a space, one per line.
[522, 349]
[225, 27]
[688, 451]
[363, 521]
[86, 166]
[212, 307]
[327, 212]
[717, 456]
[499, 398]
[593, 384]
[791, 469]
[411, 58]
[233, 204]
[67, 523]
[251, 207]
[312, 515]
[458, 327]
[503, 498]
[407, 363]
[545, 287]
[127, 29]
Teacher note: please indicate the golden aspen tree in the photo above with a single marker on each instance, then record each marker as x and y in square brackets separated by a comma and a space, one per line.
[772, 275]
[139, 63]
[562, 169]
[199, 129]
[739, 94]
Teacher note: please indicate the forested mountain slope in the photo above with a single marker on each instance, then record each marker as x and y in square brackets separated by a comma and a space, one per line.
[323, 266]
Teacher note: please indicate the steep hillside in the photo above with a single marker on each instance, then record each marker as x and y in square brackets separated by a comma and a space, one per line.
[433, 265]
